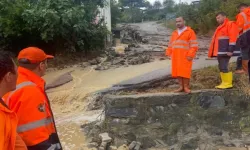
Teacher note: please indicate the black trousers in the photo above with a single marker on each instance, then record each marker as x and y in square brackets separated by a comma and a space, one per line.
[249, 70]
[246, 56]
[245, 53]
[223, 63]
[239, 63]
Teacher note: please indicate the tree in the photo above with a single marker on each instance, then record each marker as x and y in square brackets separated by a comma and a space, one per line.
[157, 5]
[169, 5]
[148, 5]
[202, 18]
[115, 13]
[134, 14]
[230, 7]
[132, 3]
[54, 24]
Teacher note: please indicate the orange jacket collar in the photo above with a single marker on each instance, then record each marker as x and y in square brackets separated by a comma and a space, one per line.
[188, 28]
[225, 22]
[31, 76]
[4, 109]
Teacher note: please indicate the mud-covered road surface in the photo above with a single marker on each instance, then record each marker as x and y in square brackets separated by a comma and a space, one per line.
[69, 101]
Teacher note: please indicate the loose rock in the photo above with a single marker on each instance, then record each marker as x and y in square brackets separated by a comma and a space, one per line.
[132, 145]
[103, 146]
[105, 137]
[93, 62]
[123, 147]
[207, 101]
[113, 148]
[138, 146]
[92, 145]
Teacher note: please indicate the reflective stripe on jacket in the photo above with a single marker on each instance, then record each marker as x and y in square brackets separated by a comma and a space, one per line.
[243, 22]
[29, 101]
[224, 40]
[180, 47]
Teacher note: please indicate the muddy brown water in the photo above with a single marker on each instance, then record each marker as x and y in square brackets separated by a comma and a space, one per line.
[68, 101]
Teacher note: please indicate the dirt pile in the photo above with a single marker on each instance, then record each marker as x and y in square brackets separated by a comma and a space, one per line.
[115, 60]
[151, 37]
[131, 34]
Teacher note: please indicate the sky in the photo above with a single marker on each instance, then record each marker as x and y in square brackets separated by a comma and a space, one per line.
[177, 1]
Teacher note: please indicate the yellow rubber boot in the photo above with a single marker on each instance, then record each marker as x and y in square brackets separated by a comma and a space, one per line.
[222, 82]
[227, 81]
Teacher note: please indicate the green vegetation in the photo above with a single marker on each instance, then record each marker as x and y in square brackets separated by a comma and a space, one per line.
[141, 10]
[69, 25]
[201, 17]
[116, 13]
[54, 25]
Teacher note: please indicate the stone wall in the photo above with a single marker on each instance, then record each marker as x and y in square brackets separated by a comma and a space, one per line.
[203, 120]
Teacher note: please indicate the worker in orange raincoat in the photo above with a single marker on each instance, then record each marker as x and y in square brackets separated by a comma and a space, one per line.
[9, 139]
[182, 49]
[36, 123]
[243, 22]
[223, 46]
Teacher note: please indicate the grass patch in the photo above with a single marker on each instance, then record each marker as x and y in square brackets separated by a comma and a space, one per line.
[170, 24]
[209, 77]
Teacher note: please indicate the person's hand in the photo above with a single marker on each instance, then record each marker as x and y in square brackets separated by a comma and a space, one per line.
[229, 54]
[189, 58]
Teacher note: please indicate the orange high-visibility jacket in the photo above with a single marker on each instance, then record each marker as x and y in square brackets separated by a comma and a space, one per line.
[9, 139]
[180, 47]
[224, 40]
[243, 22]
[30, 102]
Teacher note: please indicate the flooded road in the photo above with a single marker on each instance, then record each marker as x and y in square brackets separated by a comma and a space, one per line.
[71, 136]
[69, 100]
[69, 129]
[69, 104]
[70, 97]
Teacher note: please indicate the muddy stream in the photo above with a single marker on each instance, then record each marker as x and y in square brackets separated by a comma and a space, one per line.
[69, 104]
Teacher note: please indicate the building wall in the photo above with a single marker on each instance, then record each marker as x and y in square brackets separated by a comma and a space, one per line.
[106, 14]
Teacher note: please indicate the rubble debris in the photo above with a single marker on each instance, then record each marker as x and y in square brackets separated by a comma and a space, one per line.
[93, 62]
[105, 137]
[147, 141]
[130, 34]
[84, 64]
[129, 58]
[93, 149]
[138, 146]
[132, 145]
[103, 146]
[113, 148]
[144, 40]
[92, 145]
[123, 147]
[135, 43]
